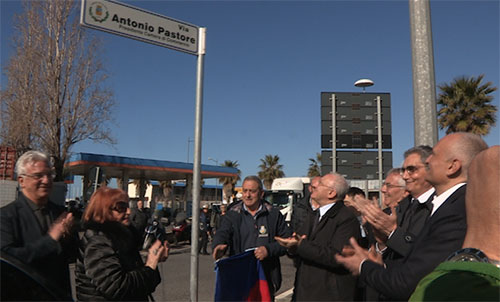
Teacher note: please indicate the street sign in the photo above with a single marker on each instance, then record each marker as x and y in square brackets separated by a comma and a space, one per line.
[356, 164]
[355, 120]
[356, 127]
[128, 21]
[355, 141]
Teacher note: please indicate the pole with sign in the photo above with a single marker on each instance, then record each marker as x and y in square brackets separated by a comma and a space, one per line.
[135, 23]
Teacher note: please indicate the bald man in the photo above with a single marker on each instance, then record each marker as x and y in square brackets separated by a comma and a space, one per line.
[319, 277]
[473, 273]
[443, 232]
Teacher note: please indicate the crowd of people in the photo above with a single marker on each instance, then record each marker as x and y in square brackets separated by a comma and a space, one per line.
[346, 247]
[435, 237]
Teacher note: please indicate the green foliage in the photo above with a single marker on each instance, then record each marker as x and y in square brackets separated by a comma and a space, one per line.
[228, 183]
[465, 106]
[270, 169]
[314, 166]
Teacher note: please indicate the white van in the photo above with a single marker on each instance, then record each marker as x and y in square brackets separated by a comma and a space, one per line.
[285, 192]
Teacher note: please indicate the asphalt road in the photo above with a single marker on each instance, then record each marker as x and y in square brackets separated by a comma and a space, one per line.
[175, 277]
[175, 285]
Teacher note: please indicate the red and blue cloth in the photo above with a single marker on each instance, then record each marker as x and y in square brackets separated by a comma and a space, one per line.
[241, 278]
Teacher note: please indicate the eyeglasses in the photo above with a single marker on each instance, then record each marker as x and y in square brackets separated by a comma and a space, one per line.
[388, 185]
[250, 191]
[38, 176]
[120, 207]
[410, 169]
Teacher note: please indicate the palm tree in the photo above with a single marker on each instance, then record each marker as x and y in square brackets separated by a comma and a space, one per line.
[270, 169]
[314, 166]
[228, 183]
[465, 106]
[167, 187]
[119, 183]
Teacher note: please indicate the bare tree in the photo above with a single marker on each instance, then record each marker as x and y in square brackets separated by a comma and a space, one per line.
[54, 97]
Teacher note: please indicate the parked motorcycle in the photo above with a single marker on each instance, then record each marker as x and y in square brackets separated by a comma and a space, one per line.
[181, 228]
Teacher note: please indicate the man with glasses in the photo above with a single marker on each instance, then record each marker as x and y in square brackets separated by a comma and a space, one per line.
[319, 277]
[397, 231]
[35, 230]
[443, 232]
[414, 210]
[393, 189]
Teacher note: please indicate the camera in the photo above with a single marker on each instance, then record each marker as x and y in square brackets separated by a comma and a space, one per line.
[154, 231]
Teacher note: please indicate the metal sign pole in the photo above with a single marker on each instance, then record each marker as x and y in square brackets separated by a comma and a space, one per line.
[96, 179]
[193, 282]
[379, 138]
[334, 135]
[162, 26]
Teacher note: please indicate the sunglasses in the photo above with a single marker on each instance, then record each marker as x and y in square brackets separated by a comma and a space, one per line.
[120, 207]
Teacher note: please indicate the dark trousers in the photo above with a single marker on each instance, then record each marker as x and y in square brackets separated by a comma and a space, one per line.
[202, 244]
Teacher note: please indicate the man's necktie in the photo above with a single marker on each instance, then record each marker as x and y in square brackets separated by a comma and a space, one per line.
[316, 220]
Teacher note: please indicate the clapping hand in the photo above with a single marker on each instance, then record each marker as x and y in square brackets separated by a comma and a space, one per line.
[61, 227]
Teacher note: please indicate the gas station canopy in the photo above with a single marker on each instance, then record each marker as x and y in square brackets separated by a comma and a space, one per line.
[138, 168]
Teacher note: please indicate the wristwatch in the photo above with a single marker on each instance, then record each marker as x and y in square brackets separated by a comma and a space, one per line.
[473, 255]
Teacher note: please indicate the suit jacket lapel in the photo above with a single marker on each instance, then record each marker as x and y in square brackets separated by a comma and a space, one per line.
[460, 192]
[402, 207]
[330, 214]
[27, 215]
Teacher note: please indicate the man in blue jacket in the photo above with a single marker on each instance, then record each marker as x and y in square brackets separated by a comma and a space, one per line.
[253, 223]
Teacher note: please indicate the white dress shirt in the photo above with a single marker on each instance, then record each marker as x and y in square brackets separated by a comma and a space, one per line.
[441, 198]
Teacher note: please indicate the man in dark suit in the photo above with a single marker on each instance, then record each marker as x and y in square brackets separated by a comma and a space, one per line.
[35, 230]
[473, 272]
[319, 277]
[397, 232]
[443, 232]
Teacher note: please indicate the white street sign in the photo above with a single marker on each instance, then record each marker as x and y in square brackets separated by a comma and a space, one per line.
[136, 23]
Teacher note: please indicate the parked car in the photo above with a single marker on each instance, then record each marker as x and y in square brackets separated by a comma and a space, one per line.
[20, 282]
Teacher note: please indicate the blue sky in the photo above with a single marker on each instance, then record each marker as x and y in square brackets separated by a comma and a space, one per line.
[267, 63]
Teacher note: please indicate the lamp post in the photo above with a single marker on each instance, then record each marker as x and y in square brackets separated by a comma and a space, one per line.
[367, 83]
[216, 179]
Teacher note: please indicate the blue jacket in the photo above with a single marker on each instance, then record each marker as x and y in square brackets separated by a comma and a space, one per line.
[230, 233]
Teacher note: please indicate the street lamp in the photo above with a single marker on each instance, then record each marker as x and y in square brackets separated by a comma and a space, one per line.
[216, 179]
[367, 83]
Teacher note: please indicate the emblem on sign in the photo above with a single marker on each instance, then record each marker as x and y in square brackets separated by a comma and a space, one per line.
[98, 12]
[262, 231]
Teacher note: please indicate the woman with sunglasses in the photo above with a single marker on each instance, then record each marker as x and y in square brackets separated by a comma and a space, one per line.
[109, 266]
